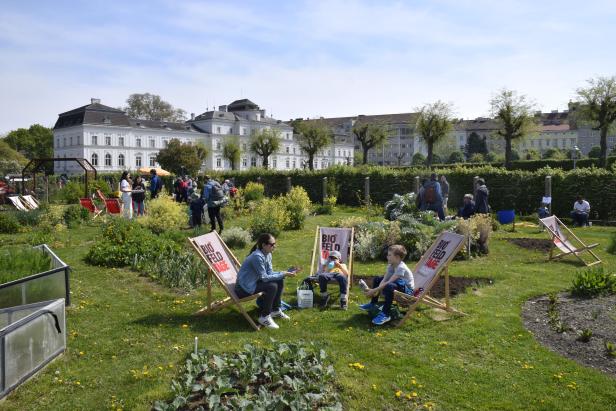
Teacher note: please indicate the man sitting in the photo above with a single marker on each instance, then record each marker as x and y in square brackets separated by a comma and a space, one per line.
[581, 209]
[468, 209]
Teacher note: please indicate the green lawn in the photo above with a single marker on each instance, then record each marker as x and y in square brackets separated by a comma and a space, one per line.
[127, 337]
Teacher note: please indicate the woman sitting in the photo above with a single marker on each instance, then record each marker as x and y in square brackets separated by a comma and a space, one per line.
[256, 275]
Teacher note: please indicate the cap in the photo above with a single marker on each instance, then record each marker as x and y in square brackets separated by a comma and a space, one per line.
[335, 254]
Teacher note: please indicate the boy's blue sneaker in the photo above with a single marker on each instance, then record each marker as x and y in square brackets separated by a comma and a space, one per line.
[381, 319]
[368, 306]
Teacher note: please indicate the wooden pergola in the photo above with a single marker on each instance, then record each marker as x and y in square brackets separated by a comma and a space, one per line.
[36, 164]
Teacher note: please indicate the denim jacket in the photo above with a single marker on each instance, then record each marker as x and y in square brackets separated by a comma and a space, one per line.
[257, 266]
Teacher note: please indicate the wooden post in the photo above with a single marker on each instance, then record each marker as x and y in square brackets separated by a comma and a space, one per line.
[324, 189]
[367, 190]
[548, 191]
[475, 186]
[288, 184]
[417, 185]
[447, 286]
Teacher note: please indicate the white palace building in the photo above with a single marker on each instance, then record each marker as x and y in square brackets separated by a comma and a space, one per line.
[112, 141]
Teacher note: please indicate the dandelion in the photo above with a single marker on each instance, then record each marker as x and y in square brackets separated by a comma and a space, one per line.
[413, 394]
[398, 393]
[357, 366]
[413, 381]
[374, 387]
[527, 366]
[379, 334]
[572, 385]
[81, 353]
[443, 343]
[77, 383]
[184, 325]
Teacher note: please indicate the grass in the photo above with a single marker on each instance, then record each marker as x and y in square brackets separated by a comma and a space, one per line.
[127, 336]
[22, 262]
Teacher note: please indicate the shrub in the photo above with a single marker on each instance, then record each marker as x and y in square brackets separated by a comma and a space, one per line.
[373, 238]
[269, 216]
[176, 269]
[72, 192]
[287, 376]
[236, 237]
[592, 282]
[74, 215]
[164, 214]
[350, 222]
[298, 206]
[479, 229]
[400, 204]
[253, 191]
[29, 218]
[8, 223]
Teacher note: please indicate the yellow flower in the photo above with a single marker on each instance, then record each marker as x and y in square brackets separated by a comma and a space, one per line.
[413, 394]
[184, 325]
[374, 386]
[413, 381]
[443, 343]
[77, 383]
[379, 334]
[398, 393]
[81, 353]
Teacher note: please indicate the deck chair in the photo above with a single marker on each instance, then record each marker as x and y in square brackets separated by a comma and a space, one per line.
[101, 196]
[112, 205]
[327, 239]
[426, 274]
[30, 202]
[223, 266]
[18, 203]
[88, 204]
[566, 247]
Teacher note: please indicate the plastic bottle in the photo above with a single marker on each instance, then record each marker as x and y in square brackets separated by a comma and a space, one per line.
[331, 265]
[363, 285]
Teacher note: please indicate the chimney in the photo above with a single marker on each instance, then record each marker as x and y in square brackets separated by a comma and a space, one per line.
[222, 108]
[95, 101]
[192, 116]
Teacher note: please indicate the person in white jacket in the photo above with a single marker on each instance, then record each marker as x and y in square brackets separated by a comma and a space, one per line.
[581, 210]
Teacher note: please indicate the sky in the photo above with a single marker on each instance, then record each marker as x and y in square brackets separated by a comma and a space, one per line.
[298, 58]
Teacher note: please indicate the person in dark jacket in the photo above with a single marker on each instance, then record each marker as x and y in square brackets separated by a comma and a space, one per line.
[481, 198]
[432, 197]
[156, 184]
[196, 210]
[138, 196]
[213, 195]
[468, 208]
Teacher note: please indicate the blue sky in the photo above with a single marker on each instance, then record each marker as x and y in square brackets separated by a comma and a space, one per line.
[298, 58]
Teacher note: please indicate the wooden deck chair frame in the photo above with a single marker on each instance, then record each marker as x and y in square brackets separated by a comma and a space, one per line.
[561, 242]
[18, 203]
[208, 253]
[317, 253]
[100, 195]
[30, 202]
[89, 205]
[433, 262]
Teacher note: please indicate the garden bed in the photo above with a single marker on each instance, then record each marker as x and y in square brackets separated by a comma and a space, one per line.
[457, 285]
[576, 315]
[534, 244]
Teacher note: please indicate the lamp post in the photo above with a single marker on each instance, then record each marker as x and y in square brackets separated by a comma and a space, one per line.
[574, 155]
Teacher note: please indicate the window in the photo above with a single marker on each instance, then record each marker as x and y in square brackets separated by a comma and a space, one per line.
[287, 149]
[121, 141]
[77, 140]
[244, 147]
[94, 159]
[57, 142]
[243, 131]
[71, 141]
[218, 145]
[244, 162]
[138, 161]
[253, 161]
[152, 142]
[218, 162]
[64, 141]
[287, 163]
[230, 130]
[339, 152]
[121, 160]
[152, 161]
[275, 162]
[107, 140]
[94, 140]
[293, 152]
[138, 142]
[217, 130]
[165, 143]
[107, 160]
[294, 164]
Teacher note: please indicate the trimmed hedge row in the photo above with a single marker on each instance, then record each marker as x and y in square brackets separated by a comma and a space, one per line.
[533, 165]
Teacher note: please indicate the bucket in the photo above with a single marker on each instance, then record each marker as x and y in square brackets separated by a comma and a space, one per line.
[505, 216]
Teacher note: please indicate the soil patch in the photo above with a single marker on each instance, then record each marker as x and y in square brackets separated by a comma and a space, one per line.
[457, 285]
[576, 315]
[535, 244]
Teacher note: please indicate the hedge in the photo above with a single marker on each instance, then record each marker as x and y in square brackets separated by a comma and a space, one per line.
[533, 165]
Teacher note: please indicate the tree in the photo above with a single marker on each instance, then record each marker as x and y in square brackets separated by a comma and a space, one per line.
[598, 106]
[181, 158]
[231, 151]
[515, 117]
[419, 159]
[313, 136]
[370, 135]
[151, 107]
[476, 158]
[33, 142]
[11, 161]
[456, 157]
[434, 123]
[475, 144]
[595, 152]
[265, 143]
[532, 154]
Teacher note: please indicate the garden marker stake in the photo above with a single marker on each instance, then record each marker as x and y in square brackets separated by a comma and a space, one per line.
[196, 344]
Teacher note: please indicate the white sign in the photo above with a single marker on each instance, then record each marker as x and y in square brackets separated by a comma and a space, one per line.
[546, 200]
[220, 261]
[440, 254]
[334, 239]
[559, 239]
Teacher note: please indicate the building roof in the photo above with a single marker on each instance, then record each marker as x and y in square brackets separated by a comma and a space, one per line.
[242, 105]
[215, 114]
[555, 127]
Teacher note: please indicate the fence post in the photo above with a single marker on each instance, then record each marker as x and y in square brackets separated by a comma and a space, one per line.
[367, 190]
[324, 190]
[548, 191]
[417, 185]
[288, 184]
[475, 186]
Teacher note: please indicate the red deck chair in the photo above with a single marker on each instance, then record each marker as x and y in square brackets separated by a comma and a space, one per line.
[100, 195]
[88, 204]
[113, 206]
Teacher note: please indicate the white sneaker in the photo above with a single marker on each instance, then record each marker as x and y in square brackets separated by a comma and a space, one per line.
[280, 314]
[268, 322]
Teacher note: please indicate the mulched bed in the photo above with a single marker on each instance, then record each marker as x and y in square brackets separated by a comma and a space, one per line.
[457, 285]
[596, 314]
[535, 244]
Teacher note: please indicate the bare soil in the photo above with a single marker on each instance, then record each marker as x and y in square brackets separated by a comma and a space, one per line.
[576, 315]
[535, 244]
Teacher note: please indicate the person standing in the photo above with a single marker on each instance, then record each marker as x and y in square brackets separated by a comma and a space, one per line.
[138, 196]
[214, 196]
[445, 192]
[156, 184]
[581, 210]
[126, 189]
[481, 198]
[432, 197]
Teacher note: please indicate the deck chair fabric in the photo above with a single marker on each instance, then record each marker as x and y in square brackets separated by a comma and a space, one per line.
[30, 202]
[427, 271]
[224, 267]
[112, 205]
[560, 240]
[18, 203]
[329, 239]
[88, 204]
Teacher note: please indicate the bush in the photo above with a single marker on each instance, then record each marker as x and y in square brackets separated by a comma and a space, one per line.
[236, 237]
[269, 216]
[349, 222]
[74, 215]
[373, 238]
[400, 204]
[298, 206]
[592, 282]
[176, 269]
[253, 192]
[72, 192]
[164, 214]
[287, 376]
[479, 229]
[30, 218]
[8, 223]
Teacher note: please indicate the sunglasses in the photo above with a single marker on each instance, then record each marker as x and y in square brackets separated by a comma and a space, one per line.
[272, 244]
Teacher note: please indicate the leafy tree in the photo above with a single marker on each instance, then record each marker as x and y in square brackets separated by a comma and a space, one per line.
[312, 137]
[265, 143]
[595, 152]
[532, 154]
[11, 161]
[456, 157]
[151, 107]
[490, 157]
[515, 118]
[436, 159]
[419, 159]
[476, 158]
[475, 144]
[434, 123]
[33, 142]
[598, 106]
[370, 135]
[178, 157]
[231, 151]
[554, 154]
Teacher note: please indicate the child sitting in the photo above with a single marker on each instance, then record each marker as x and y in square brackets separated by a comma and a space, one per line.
[333, 269]
[398, 277]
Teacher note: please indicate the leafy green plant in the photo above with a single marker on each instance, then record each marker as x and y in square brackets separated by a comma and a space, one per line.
[164, 214]
[399, 205]
[174, 269]
[585, 335]
[610, 348]
[253, 192]
[30, 218]
[298, 206]
[269, 216]
[236, 237]
[16, 264]
[72, 192]
[592, 282]
[74, 215]
[8, 223]
[287, 376]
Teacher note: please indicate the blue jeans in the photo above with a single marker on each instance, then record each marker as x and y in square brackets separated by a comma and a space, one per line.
[388, 292]
[580, 219]
[342, 280]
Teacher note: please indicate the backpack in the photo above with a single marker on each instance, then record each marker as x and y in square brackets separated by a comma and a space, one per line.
[430, 194]
[217, 194]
